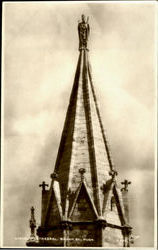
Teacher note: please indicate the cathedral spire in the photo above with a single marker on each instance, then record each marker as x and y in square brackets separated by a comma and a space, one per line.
[83, 190]
[83, 142]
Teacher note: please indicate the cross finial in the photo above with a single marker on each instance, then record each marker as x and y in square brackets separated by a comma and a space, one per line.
[43, 185]
[125, 183]
[113, 173]
[82, 171]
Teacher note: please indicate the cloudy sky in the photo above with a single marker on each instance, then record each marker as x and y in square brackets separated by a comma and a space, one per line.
[40, 52]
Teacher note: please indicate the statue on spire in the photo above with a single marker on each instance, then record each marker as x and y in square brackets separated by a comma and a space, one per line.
[83, 32]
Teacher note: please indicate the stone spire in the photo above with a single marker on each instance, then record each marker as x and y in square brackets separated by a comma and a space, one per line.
[83, 189]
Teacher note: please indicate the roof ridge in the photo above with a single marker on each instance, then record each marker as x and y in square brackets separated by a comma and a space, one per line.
[107, 146]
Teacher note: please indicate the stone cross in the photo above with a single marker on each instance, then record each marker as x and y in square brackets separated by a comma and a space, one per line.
[43, 185]
[125, 183]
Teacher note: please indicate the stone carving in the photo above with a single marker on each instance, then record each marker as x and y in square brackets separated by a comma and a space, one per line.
[43, 185]
[83, 32]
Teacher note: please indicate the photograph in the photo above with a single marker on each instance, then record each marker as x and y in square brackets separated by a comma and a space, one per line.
[79, 124]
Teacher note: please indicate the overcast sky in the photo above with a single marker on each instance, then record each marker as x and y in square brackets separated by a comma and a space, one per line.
[40, 52]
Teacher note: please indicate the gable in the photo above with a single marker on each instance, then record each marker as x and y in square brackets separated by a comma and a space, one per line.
[119, 204]
[53, 215]
[111, 212]
[83, 209]
[112, 206]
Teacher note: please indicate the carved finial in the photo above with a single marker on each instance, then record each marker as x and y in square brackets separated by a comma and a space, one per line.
[125, 183]
[82, 171]
[103, 188]
[32, 224]
[54, 175]
[83, 32]
[43, 185]
[113, 173]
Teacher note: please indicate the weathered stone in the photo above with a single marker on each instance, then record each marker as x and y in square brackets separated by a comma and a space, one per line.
[77, 210]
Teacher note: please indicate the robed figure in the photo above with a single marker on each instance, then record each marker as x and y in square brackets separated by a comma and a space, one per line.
[83, 32]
